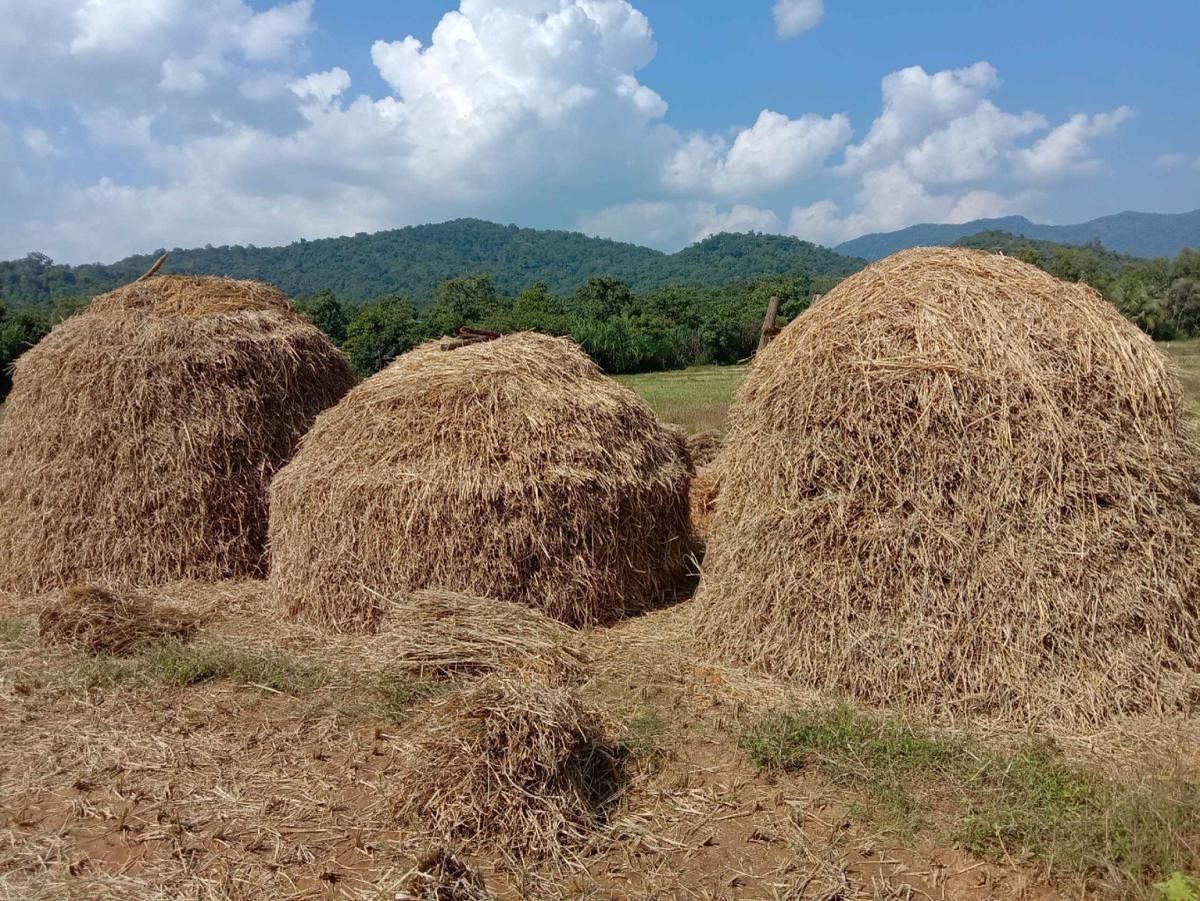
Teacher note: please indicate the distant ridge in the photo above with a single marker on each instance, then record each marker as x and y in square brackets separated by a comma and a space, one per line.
[1138, 234]
[413, 261]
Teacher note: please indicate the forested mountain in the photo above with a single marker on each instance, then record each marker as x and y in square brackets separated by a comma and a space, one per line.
[1140, 234]
[413, 261]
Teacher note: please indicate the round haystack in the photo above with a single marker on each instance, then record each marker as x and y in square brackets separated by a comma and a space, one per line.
[141, 434]
[961, 484]
[511, 469]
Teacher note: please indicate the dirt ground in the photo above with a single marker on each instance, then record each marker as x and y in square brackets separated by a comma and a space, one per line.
[227, 789]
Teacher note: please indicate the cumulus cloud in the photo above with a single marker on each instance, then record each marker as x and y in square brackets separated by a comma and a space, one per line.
[322, 87]
[775, 151]
[1067, 149]
[794, 17]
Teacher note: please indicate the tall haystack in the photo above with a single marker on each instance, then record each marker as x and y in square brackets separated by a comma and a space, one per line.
[511, 469]
[141, 434]
[959, 483]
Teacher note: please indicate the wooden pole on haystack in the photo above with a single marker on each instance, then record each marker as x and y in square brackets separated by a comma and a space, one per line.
[770, 326]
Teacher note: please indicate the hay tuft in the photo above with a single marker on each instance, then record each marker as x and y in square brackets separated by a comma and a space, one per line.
[703, 499]
[703, 446]
[511, 469]
[141, 434]
[960, 483]
[446, 635]
[100, 621]
[440, 876]
[516, 766]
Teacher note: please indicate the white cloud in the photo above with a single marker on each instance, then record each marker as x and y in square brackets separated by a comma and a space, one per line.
[775, 151]
[970, 148]
[794, 17]
[39, 143]
[889, 199]
[916, 104]
[1172, 160]
[323, 87]
[1066, 150]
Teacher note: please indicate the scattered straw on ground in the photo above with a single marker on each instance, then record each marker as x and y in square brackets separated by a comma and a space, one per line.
[447, 635]
[960, 483]
[105, 622]
[511, 469]
[141, 434]
[515, 766]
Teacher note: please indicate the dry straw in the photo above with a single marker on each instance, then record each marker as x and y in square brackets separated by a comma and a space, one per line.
[141, 434]
[446, 635]
[511, 469]
[105, 622]
[959, 482]
[517, 767]
[703, 498]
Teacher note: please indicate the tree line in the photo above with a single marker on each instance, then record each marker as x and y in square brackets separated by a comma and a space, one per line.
[666, 327]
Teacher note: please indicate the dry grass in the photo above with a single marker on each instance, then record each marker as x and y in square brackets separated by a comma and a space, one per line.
[141, 434]
[440, 876]
[99, 621]
[511, 469]
[960, 484]
[513, 766]
[445, 635]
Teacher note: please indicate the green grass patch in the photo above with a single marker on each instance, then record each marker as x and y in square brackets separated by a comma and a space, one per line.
[179, 663]
[696, 398]
[1028, 801]
[644, 736]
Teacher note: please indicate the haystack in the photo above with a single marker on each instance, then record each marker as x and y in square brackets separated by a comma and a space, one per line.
[141, 434]
[100, 621]
[514, 766]
[961, 483]
[511, 469]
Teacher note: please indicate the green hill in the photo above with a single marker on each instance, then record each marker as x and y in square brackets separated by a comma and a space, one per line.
[414, 261]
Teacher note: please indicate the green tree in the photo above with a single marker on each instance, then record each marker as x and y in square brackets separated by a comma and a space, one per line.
[1183, 305]
[19, 331]
[327, 313]
[602, 298]
[382, 330]
[472, 298]
[536, 309]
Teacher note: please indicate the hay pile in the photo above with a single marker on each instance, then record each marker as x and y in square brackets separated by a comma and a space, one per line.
[511, 469]
[515, 766]
[959, 482]
[99, 621]
[141, 434]
[440, 876]
[446, 635]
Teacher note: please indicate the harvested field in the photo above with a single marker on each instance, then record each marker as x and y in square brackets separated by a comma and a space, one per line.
[265, 759]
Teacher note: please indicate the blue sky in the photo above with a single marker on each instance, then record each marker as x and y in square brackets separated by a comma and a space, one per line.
[126, 125]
